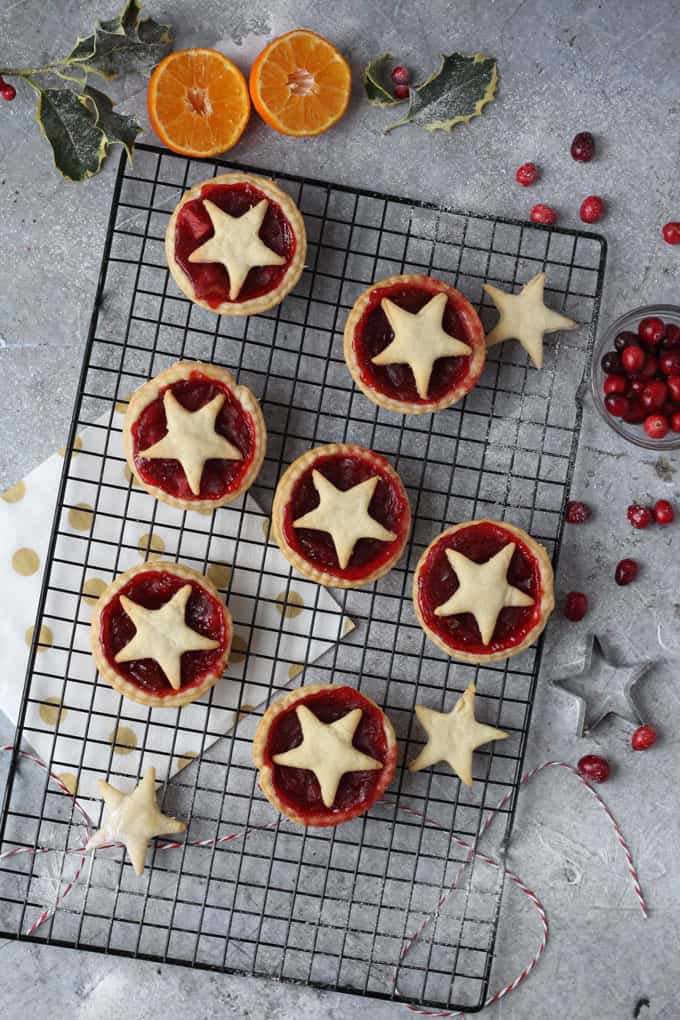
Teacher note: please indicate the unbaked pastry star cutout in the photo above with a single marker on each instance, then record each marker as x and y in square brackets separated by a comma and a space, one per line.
[453, 736]
[327, 751]
[483, 589]
[344, 515]
[525, 317]
[236, 244]
[133, 819]
[419, 340]
[192, 438]
[162, 635]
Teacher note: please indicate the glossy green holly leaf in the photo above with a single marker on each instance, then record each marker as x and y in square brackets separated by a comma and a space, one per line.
[78, 143]
[119, 128]
[454, 94]
[376, 92]
[125, 44]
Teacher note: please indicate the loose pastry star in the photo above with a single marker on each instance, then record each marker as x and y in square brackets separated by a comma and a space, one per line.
[133, 819]
[236, 244]
[483, 589]
[327, 751]
[344, 515]
[453, 736]
[419, 340]
[162, 635]
[524, 317]
[192, 438]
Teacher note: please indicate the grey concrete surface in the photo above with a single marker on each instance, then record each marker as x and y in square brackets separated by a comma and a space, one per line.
[602, 66]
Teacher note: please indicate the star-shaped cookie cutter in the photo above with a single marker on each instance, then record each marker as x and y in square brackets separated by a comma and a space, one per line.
[602, 688]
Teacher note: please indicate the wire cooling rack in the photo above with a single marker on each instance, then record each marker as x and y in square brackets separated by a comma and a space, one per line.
[331, 908]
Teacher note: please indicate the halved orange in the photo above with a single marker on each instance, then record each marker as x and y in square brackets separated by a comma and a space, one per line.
[300, 84]
[198, 102]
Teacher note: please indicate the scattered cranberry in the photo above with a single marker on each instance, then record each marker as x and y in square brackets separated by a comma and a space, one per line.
[401, 75]
[543, 214]
[400, 92]
[672, 337]
[577, 512]
[615, 384]
[626, 571]
[644, 737]
[639, 516]
[592, 209]
[633, 358]
[663, 512]
[669, 362]
[611, 362]
[636, 413]
[583, 147]
[654, 394]
[652, 330]
[594, 768]
[671, 232]
[617, 404]
[527, 173]
[650, 366]
[656, 426]
[8, 91]
[575, 606]
[675, 422]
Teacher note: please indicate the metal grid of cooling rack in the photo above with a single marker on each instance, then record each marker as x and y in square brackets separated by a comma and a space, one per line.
[330, 908]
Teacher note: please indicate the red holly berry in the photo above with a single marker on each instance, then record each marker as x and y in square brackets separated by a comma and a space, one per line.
[400, 92]
[401, 75]
[615, 384]
[526, 174]
[592, 209]
[671, 232]
[652, 330]
[643, 737]
[8, 91]
[675, 422]
[594, 768]
[576, 512]
[583, 147]
[632, 358]
[656, 426]
[626, 571]
[617, 404]
[543, 214]
[575, 606]
[654, 394]
[663, 512]
[639, 516]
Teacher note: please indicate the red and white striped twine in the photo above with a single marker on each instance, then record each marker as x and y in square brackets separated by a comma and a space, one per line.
[472, 851]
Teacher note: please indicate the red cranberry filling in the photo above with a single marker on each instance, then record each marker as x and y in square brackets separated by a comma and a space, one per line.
[152, 589]
[299, 788]
[373, 333]
[388, 506]
[193, 227]
[437, 582]
[233, 422]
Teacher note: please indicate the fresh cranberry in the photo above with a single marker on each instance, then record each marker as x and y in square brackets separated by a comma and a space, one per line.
[669, 408]
[673, 383]
[656, 426]
[575, 606]
[527, 173]
[594, 768]
[592, 209]
[636, 386]
[639, 516]
[401, 75]
[672, 337]
[671, 232]
[583, 147]
[611, 362]
[650, 366]
[543, 214]
[576, 512]
[652, 330]
[400, 91]
[615, 384]
[625, 338]
[626, 571]
[669, 362]
[617, 404]
[653, 396]
[644, 737]
[636, 413]
[663, 512]
[675, 422]
[633, 358]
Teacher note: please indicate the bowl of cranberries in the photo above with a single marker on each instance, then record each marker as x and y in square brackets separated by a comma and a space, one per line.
[636, 376]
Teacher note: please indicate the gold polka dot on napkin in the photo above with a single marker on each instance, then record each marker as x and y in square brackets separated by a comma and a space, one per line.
[15, 494]
[81, 516]
[52, 712]
[45, 638]
[239, 647]
[92, 589]
[290, 604]
[219, 574]
[25, 562]
[124, 740]
[69, 781]
[151, 546]
[77, 445]
[294, 670]
[185, 758]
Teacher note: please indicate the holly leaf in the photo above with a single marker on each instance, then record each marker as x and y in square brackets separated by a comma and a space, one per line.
[125, 44]
[454, 94]
[78, 143]
[119, 128]
[377, 94]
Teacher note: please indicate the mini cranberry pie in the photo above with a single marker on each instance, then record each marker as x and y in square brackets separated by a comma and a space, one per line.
[325, 754]
[341, 515]
[193, 438]
[236, 244]
[161, 634]
[483, 590]
[414, 344]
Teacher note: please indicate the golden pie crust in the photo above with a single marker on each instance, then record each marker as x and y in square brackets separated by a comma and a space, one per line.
[284, 489]
[150, 391]
[546, 605]
[433, 286]
[130, 690]
[257, 305]
[265, 771]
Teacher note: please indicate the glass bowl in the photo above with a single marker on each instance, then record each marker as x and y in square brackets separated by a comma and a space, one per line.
[605, 342]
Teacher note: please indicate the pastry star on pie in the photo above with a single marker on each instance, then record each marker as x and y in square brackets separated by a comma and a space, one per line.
[133, 819]
[453, 736]
[525, 317]
[419, 340]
